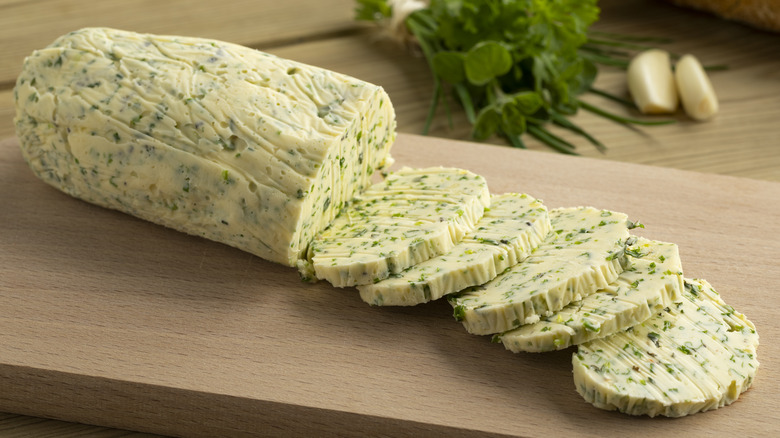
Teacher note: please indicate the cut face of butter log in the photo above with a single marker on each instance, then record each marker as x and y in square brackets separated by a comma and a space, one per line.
[206, 137]
[511, 228]
[651, 280]
[696, 355]
[583, 253]
[411, 216]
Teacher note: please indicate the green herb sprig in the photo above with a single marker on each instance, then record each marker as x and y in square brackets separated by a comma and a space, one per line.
[516, 66]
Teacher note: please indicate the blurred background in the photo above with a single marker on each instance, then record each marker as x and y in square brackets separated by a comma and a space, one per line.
[740, 141]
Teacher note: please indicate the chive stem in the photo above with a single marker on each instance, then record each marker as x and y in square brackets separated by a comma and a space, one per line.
[623, 120]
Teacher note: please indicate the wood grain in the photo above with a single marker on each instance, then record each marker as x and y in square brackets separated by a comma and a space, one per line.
[23, 426]
[33, 24]
[110, 320]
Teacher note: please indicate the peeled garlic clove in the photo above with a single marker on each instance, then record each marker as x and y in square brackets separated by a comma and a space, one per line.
[651, 82]
[696, 92]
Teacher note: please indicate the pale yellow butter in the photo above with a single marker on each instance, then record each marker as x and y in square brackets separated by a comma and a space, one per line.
[696, 355]
[582, 254]
[206, 137]
[651, 280]
[511, 228]
[411, 216]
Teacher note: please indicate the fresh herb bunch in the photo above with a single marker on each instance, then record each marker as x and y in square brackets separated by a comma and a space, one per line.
[514, 65]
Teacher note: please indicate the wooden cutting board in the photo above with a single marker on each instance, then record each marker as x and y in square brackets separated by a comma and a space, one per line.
[109, 320]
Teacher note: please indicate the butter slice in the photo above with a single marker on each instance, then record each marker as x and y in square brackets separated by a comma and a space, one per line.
[694, 356]
[411, 216]
[652, 280]
[511, 228]
[583, 253]
[206, 137]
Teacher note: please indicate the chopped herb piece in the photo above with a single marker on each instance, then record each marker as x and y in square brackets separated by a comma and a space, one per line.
[590, 326]
[655, 337]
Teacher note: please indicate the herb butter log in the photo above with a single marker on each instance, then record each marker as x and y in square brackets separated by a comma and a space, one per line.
[206, 137]
[583, 253]
[411, 216]
[651, 280]
[696, 355]
[511, 228]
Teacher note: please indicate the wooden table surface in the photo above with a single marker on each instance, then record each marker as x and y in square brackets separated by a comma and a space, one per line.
[743, 140]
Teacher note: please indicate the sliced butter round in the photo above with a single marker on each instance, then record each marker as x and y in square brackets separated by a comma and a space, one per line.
[694, 356]
[652, 280]
[580, 256]
[511, 228]
[411, 216]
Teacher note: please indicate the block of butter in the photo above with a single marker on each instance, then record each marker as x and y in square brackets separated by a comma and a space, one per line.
[206, 137]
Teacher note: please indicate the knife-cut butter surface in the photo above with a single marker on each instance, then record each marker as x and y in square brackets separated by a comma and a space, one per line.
[582, 254]
[411, 216]
[651, 280]
[511, 228]
[206, 137]
[696, 355]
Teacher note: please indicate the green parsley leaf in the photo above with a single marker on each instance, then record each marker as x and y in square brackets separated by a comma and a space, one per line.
[514, 65]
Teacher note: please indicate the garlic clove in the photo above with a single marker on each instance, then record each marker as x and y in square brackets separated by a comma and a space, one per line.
[696, 92]
[651, 82]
